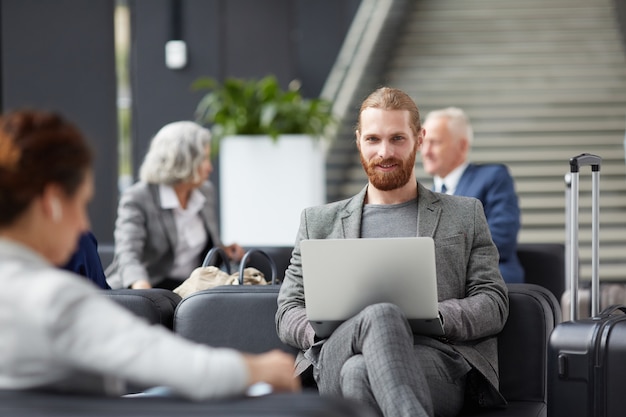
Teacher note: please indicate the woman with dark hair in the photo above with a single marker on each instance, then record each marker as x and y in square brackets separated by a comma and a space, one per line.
[57, 330]
[166, 222]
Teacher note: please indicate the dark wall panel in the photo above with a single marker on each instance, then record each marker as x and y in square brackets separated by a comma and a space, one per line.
[322, 27]
[239, 38]
[258, 38]
[59, 55]
[162, 95]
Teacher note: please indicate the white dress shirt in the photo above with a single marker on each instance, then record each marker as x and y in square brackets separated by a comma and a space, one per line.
[451, 180]
[192, 234]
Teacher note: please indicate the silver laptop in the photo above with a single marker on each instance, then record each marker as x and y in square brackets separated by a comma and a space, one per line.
[342, 276]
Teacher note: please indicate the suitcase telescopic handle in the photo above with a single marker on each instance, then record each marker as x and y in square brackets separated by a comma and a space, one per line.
[585, 159]
[575, 163]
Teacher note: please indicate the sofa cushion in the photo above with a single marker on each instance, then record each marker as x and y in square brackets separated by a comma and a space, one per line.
[156, 305]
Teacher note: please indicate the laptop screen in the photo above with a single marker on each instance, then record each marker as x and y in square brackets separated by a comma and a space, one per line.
[342, 276]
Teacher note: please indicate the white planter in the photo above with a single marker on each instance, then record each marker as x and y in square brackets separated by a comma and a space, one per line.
[265, 185]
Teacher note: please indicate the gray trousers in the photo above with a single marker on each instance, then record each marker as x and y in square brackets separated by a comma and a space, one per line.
[374, 358]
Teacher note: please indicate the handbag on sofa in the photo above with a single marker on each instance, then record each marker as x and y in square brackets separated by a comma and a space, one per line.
[210, 276]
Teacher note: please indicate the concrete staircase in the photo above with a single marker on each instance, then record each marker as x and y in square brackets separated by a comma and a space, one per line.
[542, 80]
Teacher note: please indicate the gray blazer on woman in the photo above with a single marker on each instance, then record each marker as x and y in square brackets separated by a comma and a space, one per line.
[473, 298]
[145, 235]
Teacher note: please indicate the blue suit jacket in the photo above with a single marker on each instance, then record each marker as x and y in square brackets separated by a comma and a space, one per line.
[86, 261]
[493, 185]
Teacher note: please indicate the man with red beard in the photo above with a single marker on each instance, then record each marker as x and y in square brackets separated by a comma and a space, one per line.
[374, 357]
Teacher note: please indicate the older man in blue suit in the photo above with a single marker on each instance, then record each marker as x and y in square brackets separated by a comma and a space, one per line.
[445, 156]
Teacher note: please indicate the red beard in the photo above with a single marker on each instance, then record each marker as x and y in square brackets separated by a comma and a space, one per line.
[387, 181]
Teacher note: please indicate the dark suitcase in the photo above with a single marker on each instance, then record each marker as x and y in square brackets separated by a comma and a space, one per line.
[587, 357]
[609, 293]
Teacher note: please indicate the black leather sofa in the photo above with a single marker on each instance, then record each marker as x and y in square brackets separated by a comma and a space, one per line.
[246, 322]
[243, 318]
[544, 264]
[155, 305]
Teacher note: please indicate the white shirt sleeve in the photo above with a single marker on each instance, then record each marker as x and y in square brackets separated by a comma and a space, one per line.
[91, 333]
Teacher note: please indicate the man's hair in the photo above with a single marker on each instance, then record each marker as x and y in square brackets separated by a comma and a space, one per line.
[457, 119]
[387, 98]
[175, 153]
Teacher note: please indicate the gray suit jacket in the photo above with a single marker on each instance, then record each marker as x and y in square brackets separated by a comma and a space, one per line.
[145, 235]
[473, 298]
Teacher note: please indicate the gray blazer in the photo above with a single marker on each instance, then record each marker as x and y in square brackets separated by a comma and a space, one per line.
[145, 235]
[473, 298]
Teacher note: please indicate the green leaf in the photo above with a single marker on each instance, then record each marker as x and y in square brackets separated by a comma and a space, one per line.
[259, 106]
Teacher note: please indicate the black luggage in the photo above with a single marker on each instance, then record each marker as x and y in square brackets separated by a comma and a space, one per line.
[610, 293]
[587, 357]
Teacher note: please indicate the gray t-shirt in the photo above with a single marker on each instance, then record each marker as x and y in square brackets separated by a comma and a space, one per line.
[390, 220]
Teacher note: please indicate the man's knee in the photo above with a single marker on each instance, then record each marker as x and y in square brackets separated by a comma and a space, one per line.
[354, 370]
[385, 315]
[383, 310]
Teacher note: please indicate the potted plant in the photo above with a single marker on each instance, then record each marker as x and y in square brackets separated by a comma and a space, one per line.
[260, 107]
[271, 158]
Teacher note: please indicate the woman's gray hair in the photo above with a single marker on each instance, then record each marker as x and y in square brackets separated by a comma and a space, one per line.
[175, 153]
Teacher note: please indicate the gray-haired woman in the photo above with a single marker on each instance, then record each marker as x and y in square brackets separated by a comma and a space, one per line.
[166, 222]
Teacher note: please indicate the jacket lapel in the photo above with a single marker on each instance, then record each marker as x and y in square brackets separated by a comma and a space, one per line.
[166, 217]
[351, 215]
[206, 219]
[429, 211]
[466, 180]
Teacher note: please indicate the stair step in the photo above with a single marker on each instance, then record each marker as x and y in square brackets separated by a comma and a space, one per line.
[409, 73]
[542, 80]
